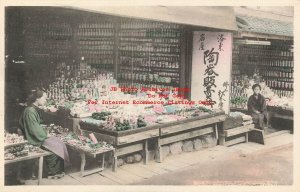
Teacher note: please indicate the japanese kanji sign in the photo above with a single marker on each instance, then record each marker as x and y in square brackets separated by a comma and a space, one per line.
[211, 66]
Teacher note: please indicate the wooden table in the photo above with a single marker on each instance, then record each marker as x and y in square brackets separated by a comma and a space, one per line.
[129, 144]
[91, 154]
[134, 140]
[32, 155]
[125, 142]
[130, 141]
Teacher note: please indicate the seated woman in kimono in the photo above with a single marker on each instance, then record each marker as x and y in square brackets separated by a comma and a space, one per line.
[36, 135]
[257, 107]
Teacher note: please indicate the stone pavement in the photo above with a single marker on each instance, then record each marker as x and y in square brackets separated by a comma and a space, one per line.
[135, 173]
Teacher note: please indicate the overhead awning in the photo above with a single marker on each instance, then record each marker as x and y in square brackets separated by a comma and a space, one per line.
[251, 26]
[205, 16]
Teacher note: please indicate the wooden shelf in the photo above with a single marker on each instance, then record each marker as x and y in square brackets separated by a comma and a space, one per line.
[15, 144]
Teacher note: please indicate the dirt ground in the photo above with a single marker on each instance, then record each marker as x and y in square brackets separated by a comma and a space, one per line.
[271, 168]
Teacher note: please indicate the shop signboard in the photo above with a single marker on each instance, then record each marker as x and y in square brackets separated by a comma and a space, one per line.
[211, 69]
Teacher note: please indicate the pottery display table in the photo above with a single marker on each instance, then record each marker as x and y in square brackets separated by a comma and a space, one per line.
[32, 155]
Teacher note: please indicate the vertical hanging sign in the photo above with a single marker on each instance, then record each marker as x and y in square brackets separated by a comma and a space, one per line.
[211, 68]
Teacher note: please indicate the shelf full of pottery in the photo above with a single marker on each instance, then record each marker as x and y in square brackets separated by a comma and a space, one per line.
[70, 93]
[104, 107]
[241, 90]
[134, 117]
[117, 111]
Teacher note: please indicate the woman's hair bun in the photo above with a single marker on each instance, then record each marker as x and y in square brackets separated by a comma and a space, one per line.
[35, 94]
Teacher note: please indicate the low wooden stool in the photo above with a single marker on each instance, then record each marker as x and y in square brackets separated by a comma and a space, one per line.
[257, 136]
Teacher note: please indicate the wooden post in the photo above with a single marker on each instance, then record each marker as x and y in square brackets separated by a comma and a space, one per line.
[221, 137]
[222, 140]
[41, 159]
[103, 159]
[230, 77]
[115, 162]
[83, 161]
[269, 115]
[117, 27]
[182, 83]
[146, 152]
[216, 131]
[189, 58]
[159, 151]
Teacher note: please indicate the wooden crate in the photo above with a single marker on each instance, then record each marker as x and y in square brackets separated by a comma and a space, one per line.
[241, 134]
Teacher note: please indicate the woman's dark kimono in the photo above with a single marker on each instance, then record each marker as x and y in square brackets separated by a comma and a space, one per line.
[257, 104]
[30, 123]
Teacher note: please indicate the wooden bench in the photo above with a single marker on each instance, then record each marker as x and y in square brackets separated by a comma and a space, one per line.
[83, 154]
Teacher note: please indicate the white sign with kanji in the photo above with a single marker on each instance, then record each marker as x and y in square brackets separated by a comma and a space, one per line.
[211, 69]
